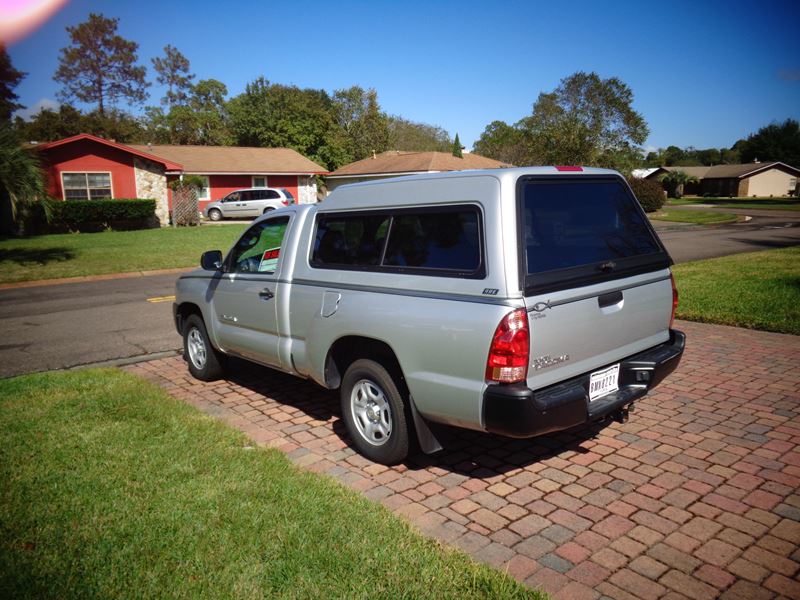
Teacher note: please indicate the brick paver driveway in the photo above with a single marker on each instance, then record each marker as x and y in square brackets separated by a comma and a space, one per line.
[696, 496]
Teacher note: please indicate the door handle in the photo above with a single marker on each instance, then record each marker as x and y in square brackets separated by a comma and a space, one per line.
[266, 294]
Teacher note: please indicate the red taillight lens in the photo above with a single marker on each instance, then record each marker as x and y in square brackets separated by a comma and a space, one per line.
[674, 300]
[285, 202]
[510, 349]
[568, 168]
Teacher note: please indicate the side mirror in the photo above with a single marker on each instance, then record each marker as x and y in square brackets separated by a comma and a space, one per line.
[211, 260]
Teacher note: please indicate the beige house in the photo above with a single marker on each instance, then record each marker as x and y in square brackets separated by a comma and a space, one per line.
[395, 163]
[750, 180]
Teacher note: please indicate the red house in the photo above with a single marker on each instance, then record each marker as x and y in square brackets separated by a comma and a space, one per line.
[86, 167]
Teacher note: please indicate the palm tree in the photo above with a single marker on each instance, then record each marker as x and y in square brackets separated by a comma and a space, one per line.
[674, 182]
[21, 179]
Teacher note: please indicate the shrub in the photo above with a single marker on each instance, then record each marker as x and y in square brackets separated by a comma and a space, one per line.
[90, 215]
[649, 193]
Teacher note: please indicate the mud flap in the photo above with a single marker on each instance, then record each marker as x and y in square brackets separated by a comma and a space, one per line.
[427, 441]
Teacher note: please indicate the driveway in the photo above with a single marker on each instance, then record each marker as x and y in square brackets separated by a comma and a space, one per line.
[696, 496]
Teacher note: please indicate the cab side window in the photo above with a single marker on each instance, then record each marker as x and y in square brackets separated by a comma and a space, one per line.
[258, 250]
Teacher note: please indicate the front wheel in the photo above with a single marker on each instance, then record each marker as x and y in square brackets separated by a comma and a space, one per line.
[205, 362]
[215, 214]
[374, 412]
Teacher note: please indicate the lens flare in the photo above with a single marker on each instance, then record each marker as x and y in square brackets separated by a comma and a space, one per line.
[18, 18]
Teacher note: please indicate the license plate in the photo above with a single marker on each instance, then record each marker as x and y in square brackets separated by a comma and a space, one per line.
[603, 382]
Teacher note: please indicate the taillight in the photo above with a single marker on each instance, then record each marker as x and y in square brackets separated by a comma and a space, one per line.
[510, 349]
[285, 202]
[568, 168]
[674, 300]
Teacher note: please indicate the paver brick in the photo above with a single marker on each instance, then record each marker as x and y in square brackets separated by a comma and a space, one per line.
[695, 495]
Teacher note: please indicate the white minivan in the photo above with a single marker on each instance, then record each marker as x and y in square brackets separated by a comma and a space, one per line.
[248, 203]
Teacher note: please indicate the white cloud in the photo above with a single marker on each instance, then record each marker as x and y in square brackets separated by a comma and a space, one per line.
[30, 111]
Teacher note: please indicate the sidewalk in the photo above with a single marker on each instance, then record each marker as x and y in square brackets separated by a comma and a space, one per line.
[695, 497]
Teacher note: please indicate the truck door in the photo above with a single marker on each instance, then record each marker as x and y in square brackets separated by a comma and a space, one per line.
[244, 302]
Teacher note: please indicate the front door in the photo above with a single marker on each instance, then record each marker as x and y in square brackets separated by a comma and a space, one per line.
[245, 299]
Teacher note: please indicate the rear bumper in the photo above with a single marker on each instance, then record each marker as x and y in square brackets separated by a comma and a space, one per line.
[517, 411]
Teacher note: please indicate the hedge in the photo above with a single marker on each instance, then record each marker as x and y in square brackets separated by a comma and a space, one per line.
[90, 215]
[649, 193]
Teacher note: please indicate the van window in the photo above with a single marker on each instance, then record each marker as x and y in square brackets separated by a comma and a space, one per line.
[350, 240]
[435, 240]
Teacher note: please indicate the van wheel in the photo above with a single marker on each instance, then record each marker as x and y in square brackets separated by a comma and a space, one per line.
[215, 214]
[206, 363]
[374, 412]
[266, 210]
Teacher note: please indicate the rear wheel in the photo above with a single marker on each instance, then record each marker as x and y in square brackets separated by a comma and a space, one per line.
[206, 363]
[266, 210]
[374, 412]
[215, 214]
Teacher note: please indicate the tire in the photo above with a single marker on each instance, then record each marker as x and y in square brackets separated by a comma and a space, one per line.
[205, 362]
[215, 214]
[266, 210]
[374, 412]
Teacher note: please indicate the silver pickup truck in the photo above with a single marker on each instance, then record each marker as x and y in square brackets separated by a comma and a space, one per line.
[513, 301]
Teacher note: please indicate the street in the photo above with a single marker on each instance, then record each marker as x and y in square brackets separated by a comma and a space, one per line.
[70, 324]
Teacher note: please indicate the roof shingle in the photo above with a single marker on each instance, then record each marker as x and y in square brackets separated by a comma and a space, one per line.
[397, 161]
[233, 159]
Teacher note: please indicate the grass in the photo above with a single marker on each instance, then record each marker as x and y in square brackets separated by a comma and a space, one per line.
[695, 216]
[758, 290]
[754, 203]
[77, 254]
[112, 489]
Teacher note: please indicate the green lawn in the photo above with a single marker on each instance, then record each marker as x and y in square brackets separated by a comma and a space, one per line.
[694, 216]
[112, 489]
[757, 203]
[76, 254]
[759, 290]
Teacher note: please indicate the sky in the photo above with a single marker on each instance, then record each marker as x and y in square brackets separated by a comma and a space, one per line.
[703, 73]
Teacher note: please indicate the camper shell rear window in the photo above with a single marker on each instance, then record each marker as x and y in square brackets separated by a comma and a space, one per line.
[576, 231]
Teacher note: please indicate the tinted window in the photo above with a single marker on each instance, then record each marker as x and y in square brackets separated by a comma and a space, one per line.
[435, 240]
[577, 223]
[288, 195]
[258, 250]
[246, 196]
[272, 195]
[350, 240]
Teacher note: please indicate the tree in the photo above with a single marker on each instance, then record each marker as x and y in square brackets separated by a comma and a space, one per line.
[364, 127]
[49, 125]
[674, 182]
[9, 79]
[21, 180]
[417, 137]
[502, 142]
[202, 120]
[173, 71]
[273, 115]
[457, 147]
[585, 120]
[774, 142]
[100, 66]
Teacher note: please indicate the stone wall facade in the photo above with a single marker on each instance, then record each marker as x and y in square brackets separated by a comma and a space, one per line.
[151, 182]
[306, 189]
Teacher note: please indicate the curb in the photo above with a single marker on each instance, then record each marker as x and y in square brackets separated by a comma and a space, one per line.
[121, 362]
[86, 278]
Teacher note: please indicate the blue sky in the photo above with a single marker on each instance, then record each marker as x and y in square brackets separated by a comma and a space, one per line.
[703, 73]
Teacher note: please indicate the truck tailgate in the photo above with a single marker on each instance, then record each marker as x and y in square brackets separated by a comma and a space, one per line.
[585, 329]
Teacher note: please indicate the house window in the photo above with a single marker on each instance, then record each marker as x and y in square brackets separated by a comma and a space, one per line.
[86, 186]
[205, 193]
[259, 181]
